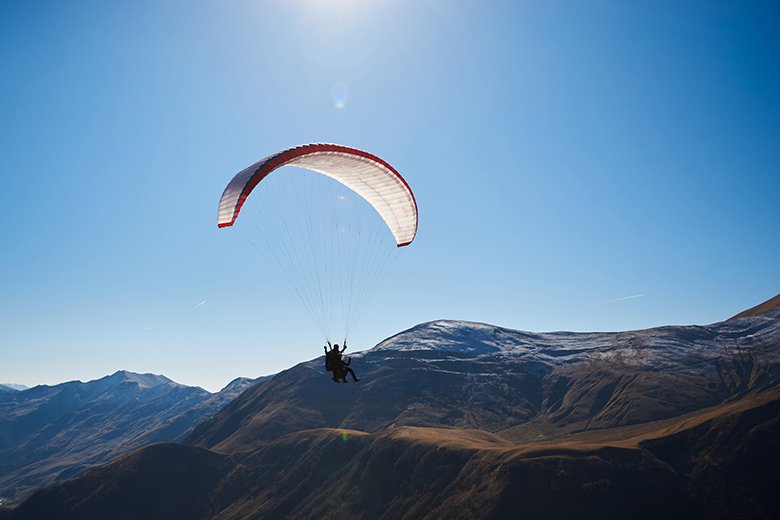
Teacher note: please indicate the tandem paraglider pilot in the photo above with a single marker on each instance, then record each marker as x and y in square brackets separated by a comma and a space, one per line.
[334, 362]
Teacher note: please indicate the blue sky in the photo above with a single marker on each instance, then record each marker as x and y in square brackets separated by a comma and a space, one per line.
[565, 156]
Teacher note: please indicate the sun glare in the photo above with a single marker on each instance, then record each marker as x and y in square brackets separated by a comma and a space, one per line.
[344, 11]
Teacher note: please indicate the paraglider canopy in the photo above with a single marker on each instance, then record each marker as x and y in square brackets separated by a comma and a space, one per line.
[366, 174]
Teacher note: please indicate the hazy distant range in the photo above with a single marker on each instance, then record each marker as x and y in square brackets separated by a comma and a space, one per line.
[51, 433]
[11, 386]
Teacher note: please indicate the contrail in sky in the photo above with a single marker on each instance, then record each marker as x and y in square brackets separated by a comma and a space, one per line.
[623, 298]
[199, 305]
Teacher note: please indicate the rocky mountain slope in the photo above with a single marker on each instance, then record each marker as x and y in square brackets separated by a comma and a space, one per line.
[49, 433]
[525, 386]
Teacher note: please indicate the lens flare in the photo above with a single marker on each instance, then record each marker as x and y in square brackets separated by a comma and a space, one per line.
[340, 95]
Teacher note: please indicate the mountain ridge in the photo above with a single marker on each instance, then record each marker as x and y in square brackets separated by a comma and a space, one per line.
[771, 303]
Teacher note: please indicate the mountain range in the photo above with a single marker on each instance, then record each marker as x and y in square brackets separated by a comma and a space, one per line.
[457, 419]
[51, 433]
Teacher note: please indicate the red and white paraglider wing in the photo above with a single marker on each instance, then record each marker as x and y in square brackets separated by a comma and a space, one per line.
[367, 175]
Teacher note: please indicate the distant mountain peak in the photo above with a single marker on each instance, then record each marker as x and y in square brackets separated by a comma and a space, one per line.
[13, 386]
[143, 380]
[457, 336]
[239, 382]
